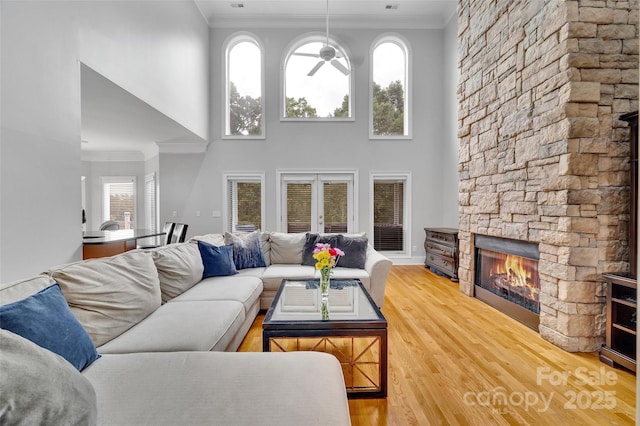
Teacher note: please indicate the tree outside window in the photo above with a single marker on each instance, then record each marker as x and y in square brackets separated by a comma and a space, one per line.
[244, 106]
[326, 93]
[389, 111]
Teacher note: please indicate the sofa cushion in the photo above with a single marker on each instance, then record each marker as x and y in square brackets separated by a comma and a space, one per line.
[252, 272]
[310, 244]
[274, 274]
[184, 326]
[286, 248]
[45, 319]
[217, 260]
[18, 290]
[179, 268]
[110, 295]
[243, 289]
[39, 387]
[247, 250]
[214, 239]
[205, 388]
[355, 251]
[345, 273]
[265, 242]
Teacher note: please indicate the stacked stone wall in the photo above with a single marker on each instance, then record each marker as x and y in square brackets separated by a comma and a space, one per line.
[543, 154]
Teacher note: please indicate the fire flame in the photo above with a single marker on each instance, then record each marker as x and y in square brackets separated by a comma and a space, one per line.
[515, 268]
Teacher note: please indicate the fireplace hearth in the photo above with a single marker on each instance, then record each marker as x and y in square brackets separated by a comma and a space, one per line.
[507, 277]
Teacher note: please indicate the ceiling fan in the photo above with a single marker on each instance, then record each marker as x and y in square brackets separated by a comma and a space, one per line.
[327, 54]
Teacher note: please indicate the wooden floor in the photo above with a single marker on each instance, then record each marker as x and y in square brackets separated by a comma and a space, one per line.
[454, 360]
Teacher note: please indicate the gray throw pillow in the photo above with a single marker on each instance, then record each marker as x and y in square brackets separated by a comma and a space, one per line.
[39, 387]
[310, 244]
[355, 251]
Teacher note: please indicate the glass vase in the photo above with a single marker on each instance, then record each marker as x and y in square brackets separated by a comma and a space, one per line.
[325, 283]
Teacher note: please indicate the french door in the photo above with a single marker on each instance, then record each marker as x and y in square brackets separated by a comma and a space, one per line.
[317, 202]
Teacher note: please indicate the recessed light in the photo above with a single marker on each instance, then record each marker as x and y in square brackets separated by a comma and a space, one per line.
[391, 7]
[237, 5]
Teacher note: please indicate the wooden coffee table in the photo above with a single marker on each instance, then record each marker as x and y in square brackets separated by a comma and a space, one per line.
[355, 333]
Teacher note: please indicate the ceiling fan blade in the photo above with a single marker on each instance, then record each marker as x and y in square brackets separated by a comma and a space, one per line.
[311, 55]
[316, 68]
[344, 70]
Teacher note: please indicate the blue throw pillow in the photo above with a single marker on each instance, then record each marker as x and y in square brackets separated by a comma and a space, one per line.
[247, 250]
[46, 320]
[217, 260]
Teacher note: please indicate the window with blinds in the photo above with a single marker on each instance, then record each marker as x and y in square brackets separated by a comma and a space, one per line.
[317, 202]
[119, 200]
[388, 215]
[244, 202]
[299, 207]
[150, 204]
[335, 206]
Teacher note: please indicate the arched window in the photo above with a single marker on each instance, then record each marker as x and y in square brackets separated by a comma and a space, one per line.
[390, 88]
[244, 89]
[316, 80]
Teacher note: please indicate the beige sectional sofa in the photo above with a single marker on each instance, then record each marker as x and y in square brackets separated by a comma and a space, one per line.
[164, 335]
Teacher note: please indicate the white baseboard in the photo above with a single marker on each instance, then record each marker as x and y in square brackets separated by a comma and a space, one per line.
[413, 260]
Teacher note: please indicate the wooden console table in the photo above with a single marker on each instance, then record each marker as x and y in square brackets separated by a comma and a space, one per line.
[441, 248]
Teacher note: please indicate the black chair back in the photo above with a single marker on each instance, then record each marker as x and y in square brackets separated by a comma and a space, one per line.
[168, 231]
[179, 233]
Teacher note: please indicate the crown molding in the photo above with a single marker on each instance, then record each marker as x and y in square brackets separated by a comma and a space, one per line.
[306, 21]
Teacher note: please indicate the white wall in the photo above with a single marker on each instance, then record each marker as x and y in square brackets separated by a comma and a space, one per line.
[193, 182]
[450, 145]
[156, 50]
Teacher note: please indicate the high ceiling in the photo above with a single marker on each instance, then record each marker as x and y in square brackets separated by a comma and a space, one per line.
[352, 13]
[116, 124]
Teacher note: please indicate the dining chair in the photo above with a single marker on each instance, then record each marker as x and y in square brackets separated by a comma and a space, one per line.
[109, 225]
[179, 233]
[161, 240]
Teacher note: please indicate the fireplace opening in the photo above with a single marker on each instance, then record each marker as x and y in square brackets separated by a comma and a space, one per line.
[506, 277]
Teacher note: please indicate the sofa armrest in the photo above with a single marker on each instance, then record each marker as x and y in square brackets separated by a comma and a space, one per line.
[377, 266]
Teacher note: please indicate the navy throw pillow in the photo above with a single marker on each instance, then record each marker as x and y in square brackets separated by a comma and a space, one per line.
[217, 260]
[310, 244]
[355, 251]
[45, 319]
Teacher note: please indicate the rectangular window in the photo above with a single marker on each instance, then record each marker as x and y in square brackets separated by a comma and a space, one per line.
[244, 202]
[390, 213]
[119, 200]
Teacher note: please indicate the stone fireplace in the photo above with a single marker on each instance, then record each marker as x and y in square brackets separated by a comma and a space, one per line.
[544, 156]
